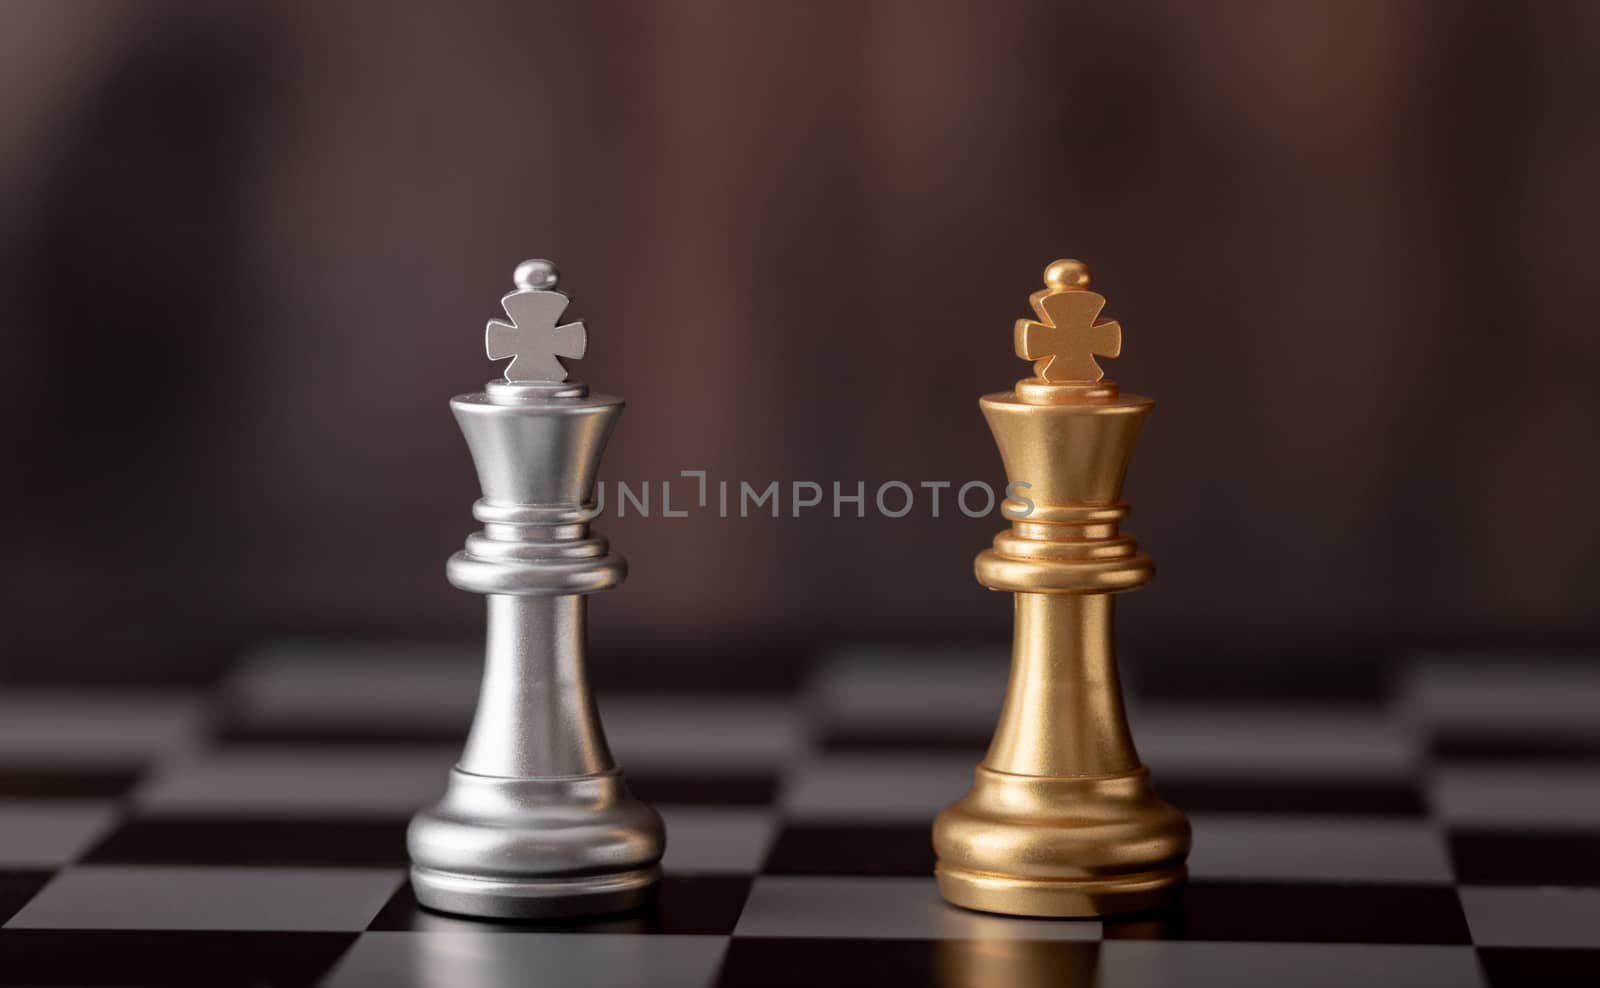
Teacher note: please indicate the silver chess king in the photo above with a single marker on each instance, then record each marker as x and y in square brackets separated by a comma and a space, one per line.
[537, 820]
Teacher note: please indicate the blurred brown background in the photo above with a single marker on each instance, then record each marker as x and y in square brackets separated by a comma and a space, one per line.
[249, 250]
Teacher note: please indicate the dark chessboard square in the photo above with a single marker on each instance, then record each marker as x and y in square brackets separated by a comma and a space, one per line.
[851, 849]
[1521, 746]
[1272, 912]
[686, 905]
[229, 841]
[703, 789]
[16, 888]
[1516, 967]
[1356, 679]
[1324, 797]
[1526, 858]
[145, 957]
[811, 961]
[898, 738]
[64, 782]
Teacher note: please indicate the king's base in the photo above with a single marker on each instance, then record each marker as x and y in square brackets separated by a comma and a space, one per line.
[1065, 899]
[544, 898]
[533, 848]
[1031, 845]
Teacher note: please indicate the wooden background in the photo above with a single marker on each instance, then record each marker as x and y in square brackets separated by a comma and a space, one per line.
[250, 248]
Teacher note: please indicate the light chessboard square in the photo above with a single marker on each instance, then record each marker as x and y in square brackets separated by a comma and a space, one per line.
[882, 688]
[884, 788]
[106, 897]
[1491, 694]
[717, 840]
[1531, 795]
[1533, 917]
[534, 960]
[1310, 848]
[85, 727]
[47, 834]
[297, 781]
[1215, 739]
[707, 733]
[316, 684]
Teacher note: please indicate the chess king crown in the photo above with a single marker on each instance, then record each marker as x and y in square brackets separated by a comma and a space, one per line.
[1069, 435]
[536, 440]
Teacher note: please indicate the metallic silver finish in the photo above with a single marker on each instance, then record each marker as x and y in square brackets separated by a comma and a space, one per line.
[536, 274]
[532, 339]
[536, 820]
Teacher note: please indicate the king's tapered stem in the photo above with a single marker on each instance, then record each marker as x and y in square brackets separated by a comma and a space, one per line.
[536, 715]
[1063, 714]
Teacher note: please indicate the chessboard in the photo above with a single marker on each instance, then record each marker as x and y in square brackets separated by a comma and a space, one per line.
[1428, 822]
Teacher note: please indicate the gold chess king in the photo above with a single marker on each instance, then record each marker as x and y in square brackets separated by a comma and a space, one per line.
[1062, 819]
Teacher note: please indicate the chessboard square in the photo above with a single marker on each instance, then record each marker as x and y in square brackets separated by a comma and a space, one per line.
[882, 739]
[1180, 740]
[109, 897]
[806, 962]
[1354, 679]
[1552, 743]
[169, 958]
[706, 733]
[717, 840]
[16, 888]
[1317, 849]
[688, 787]
[1242, 794]
[1269, 912]
[1505, 693]
[1518, 967]
[84, 728]
[429, 689]
[1527, 795]
[469, 957]
[44, 834]
[883, 909]
[41, 780]
[292, 781]
[885, 690]
[1272, 965]
[884, 788]
[1533, 857]
[685, 905]
[239, 841]
[852, 849]
[1533, 917]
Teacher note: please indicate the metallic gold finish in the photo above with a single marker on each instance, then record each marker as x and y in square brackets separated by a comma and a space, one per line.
[1068, 335]
[1062, 819]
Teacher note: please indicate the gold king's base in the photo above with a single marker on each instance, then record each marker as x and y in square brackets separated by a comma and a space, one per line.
[1097, 861]
[1064, 899]
[1062, 819]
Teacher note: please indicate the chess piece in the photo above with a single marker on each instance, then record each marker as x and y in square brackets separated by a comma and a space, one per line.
[537, 820]
[1061, 819]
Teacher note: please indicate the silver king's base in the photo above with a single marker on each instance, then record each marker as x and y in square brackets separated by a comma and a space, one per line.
[536, 848]
[509, 898]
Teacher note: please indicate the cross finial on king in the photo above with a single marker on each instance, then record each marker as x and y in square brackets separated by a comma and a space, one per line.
[1069, 333]
[532, 339]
